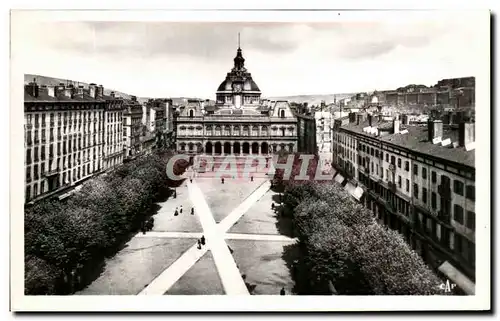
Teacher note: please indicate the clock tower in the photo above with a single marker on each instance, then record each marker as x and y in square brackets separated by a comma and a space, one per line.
[238, 91]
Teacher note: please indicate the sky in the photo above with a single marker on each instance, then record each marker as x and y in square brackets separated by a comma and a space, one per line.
[191, 59]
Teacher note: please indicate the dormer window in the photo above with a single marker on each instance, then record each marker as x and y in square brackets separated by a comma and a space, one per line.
[282, 113]
[191, 113]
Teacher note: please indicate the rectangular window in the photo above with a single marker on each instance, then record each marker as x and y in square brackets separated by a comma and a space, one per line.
[424, 195]
[36, 154]
[407, 185]
[415, 169]
[35, 171]
[433, 177]
[458, 187]
[433, 201]
[471, 192]
[407, 166]
[471, 220]
[458, 214]
[387, 158]
[399, 181]
[415, 190]
[424, 173]
[399, 162]
[28, 156]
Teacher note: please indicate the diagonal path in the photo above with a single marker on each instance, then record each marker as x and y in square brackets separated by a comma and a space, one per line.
[228, 271]
[174, 272]
[214, 235]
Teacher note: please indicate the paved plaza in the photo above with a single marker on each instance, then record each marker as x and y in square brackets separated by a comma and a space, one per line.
[246, 248]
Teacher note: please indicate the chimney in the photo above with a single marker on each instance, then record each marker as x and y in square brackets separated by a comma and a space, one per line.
[93, 90]
[32, 88]
[466, 134]
[133, 98]
[370, 120]
[112, 94]
[79, 91]
[395, 125]
[100, 91]
[68, 91]
[435, 129]
[51, 91]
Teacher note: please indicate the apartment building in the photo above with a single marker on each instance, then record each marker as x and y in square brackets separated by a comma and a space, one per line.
[64, 136]
[132, 126]
[113, 129]
[419, 181]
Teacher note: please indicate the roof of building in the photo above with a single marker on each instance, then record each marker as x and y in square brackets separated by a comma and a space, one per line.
[249, 85]
[417, 139]
[43, 96]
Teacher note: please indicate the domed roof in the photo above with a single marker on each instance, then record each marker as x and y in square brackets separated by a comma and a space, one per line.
[248, 85]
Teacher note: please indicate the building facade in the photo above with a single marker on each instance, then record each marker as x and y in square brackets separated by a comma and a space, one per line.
[113, 128]
[419, 181]
[64, 137]
[306, 133]
[132, 126]
[238, 123]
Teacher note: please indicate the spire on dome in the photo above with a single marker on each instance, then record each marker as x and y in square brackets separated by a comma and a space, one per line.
[239, 61]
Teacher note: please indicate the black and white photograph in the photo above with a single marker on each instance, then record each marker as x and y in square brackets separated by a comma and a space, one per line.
[224, 160]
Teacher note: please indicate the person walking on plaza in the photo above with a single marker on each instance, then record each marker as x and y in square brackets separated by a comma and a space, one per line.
[282, 292]
[180, 211]
[272, 206]
[199, 245]
[251, 178]
[222, 180]
[176, 212]
[203, 240]
[190, 179]
[192, 210]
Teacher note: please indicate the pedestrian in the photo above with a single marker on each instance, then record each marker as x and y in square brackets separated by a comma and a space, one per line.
[222, 180]
[282, 292]
[190, 179]
[251, 178]
[192, 210]
[203, 240]
[272, 206]
[199, 245]
[176, 212]
[180, 211]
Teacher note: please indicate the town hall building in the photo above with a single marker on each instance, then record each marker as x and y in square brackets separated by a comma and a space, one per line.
[239, 123]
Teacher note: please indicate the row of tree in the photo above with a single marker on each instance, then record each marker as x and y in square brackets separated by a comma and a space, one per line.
[62, 239]
[342, 243]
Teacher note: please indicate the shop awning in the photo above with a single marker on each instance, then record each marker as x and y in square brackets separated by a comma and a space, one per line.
[358, 193]
[339, 179]
[350, 188]
[458, 278]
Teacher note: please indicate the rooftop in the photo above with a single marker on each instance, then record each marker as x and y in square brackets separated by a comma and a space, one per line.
[417, 139]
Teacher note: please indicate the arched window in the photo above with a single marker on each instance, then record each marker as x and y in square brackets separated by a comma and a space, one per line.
[282, 113]
[191, 113]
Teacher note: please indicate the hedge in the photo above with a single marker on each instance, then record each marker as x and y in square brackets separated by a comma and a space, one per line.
[62, 238]
[341, 242]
